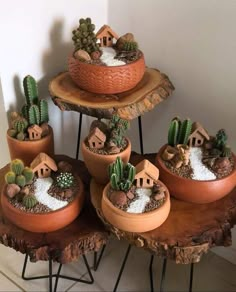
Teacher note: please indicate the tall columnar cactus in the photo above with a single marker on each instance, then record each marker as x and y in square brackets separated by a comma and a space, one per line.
[185, 131]
[121, 176]
[84, 37]
[34, 115]
[220, 139]
[31, 90]
[173, 132]
[43, 109]
[117, 128]
[19, 174]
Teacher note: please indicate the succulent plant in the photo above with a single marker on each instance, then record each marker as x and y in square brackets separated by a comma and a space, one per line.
[130, 46]
[185, 131]
[117, 128]
[121, 176]
[226, 151]
[31, 90]
[20, 125]
[19, 174]
[220, 139]
[84, 37]
[29, 201]
[65, 180]
[173, 132]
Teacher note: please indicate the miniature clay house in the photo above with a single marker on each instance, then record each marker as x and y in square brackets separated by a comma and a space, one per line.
[106, 35]
[96, 139]
[198, 135]
[42, 165]
[146, 174]
[35, 132]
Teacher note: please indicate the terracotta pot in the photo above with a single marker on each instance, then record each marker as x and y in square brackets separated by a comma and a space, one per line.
[97, 164]
[195, 191]
[46, 222]
[106, 79]
[28, 150]
[135, 222]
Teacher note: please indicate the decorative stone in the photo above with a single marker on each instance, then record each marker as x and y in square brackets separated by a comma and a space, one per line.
[64, 166]
[96, 55]
[12, 190]
[118, 198]
[221, 164]
[160, 196]
[68, 193]
[130, 195]
[128, 37]
[114, 150]
[25, 190]
[82, 55]
[45, 129]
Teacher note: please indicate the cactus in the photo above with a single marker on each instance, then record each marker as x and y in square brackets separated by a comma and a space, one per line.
[65, 180]
[84, 37]
[20, 136]
[130, 46]
[20, 180]
[12, 133]
[29, 201]
[173, 132]
[226, 152]
[10, 177]
[121, 179]
[20, 125]
[31, 90]
[185, 131]
[117, 128]
[220, 140]
[43, 109]
[28, 174]
[34, 115]
[17, 166]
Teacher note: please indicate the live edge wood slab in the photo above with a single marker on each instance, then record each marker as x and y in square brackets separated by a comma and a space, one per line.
[189, 231]
[85, 234]
[151, 90]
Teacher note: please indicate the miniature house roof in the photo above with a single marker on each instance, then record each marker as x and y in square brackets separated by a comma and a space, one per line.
[104, 31]
[41, 160]
[146, 167]
[198, 128]
[35, 128]
[98, 134]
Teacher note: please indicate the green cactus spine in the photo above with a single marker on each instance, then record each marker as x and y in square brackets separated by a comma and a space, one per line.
[65, 180]
[10, 177]
[20, 180]
[34, 115]
[173, 132]
[28, 174]
[17, 166]
[31, 90]
[185, 131]
[29, 201]
[43, 109]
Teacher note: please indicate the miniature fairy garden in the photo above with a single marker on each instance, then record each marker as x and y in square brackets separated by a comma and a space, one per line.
[135, 191]
[103, 62]
[103, 144]
[43, 187]
[192, 153]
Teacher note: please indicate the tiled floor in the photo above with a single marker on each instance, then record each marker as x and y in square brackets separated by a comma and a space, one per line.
[211, 274]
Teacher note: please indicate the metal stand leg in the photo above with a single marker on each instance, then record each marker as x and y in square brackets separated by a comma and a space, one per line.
[191, 277]
[78, 136]
[122, 267]
[163, 274]
[140, 134]
[150, 273]
[96, 261]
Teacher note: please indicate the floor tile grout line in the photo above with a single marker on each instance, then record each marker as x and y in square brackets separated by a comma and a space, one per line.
[75, 282]
[8, 278]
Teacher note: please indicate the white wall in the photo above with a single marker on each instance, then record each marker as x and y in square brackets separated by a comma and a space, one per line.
[36, 40]
[194, 43]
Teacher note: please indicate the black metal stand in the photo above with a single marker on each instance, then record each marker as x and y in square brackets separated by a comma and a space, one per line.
[96, 261]
[57, 275]
[163, 273]
[140, 134]
[78, 136]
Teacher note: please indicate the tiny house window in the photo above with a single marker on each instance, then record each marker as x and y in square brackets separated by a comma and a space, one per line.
[100, 143]
[148, 181]
[199, 141]
[104, 41]
[41, 171]
[141, 182]
[109, 38]
[93, 144]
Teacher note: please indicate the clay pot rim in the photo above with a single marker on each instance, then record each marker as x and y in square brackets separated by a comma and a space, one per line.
[133, 215]
[160, 161]
[29, 214]
[106, 155]
[109, 67]
[31, 141]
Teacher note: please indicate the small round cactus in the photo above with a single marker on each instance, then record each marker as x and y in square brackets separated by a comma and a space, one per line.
[17, 166]
[10, 177]
[29, 201]
[20, 180]
[130, 46]
[65, 180]
[28, 174]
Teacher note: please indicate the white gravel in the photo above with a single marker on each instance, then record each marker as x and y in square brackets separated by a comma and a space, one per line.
[108, 57]
[200, 171]
[42, 185]
[139, 204]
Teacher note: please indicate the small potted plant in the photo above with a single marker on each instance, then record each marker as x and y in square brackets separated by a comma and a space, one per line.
[103, 144]
[43, 197]
[135, 200]
[195, 166]
[98, 65]
[29, 132]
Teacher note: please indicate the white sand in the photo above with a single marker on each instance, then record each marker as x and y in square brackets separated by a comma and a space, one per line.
[139, 204]
[200, 171]
[42, 185]
[108, 57]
